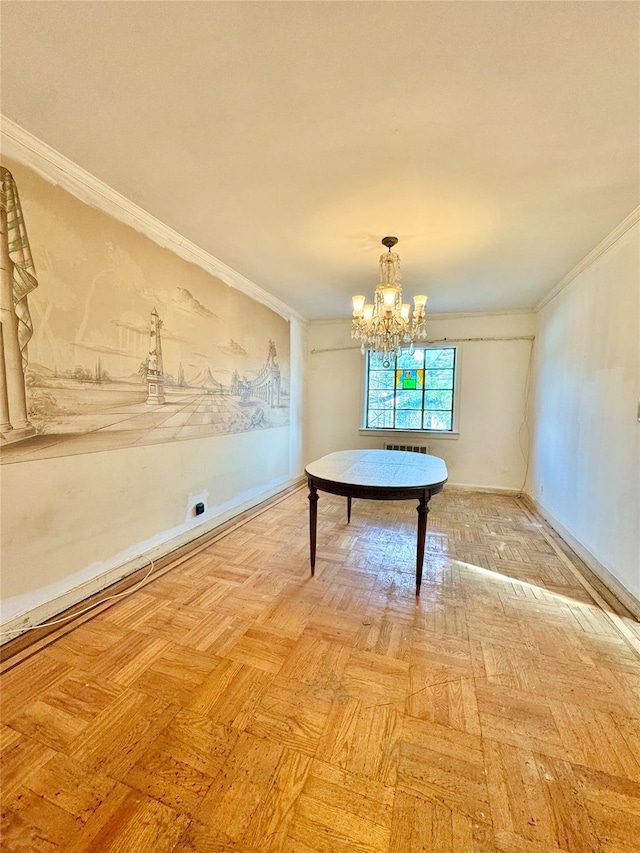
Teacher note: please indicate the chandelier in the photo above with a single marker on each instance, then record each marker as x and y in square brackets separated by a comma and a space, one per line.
[387, 324]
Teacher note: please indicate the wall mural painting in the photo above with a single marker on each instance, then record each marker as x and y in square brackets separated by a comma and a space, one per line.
[127, 363]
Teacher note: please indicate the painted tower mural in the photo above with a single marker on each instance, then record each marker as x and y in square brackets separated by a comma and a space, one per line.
[129, 344]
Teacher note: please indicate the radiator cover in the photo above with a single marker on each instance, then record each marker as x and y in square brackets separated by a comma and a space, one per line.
[413, 448]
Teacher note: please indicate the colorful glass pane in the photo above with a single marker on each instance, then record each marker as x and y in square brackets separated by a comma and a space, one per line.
[409, 380]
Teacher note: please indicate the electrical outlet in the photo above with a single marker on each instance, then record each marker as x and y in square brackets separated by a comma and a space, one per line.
[199, 508]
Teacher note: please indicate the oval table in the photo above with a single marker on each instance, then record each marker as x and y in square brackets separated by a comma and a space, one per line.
[379, 475]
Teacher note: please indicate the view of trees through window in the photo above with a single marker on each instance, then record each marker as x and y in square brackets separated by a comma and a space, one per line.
[411, 390]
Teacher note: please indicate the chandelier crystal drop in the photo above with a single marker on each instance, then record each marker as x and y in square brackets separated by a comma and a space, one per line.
[387, 324]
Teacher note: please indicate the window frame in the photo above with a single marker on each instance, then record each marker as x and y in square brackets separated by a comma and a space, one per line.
[436, 433]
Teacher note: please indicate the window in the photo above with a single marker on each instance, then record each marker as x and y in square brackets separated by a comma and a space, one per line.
[411, 391]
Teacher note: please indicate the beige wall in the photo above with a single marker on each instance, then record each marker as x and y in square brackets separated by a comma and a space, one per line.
[585, 471]
[93, 511]
[492, 444]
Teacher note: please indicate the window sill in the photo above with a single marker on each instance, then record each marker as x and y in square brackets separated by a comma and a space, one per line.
[406, 435]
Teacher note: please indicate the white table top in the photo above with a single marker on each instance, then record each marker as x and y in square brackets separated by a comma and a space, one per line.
[399, 468]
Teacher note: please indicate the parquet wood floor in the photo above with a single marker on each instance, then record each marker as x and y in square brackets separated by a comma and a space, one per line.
[236, 704]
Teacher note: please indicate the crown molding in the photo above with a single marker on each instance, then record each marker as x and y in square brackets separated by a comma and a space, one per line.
[603, 246]
[54, 167]
[467, 315]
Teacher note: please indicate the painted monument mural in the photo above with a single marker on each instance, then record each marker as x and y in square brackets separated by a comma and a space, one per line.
[115, 342]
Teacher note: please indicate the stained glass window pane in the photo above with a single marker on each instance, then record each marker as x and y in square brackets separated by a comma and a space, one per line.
[438, 399]
[381, 399]
[381, 362]
[439, 357]
[406, 419]
[413, 361]
[379, 379]
[437, 420]
[409, 380]
[380, 419]
[439, 379]
[408, 399]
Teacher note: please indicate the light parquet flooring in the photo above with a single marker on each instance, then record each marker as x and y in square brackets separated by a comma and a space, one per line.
[236, 704]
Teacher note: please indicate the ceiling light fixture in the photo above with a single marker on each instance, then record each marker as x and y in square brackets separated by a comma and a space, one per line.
[386, 325]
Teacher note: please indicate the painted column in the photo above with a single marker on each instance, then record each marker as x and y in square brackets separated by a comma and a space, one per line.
[155, 377]
[5, 423]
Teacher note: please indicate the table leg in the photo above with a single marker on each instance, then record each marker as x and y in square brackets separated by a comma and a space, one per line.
[313, 524]
[348, 510]
[423, 512]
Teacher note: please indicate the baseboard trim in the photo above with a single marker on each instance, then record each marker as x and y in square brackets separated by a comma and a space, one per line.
[487, 490]
[607, 584]
[121, 578]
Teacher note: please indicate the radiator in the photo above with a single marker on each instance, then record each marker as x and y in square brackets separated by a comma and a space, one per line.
[413, 448]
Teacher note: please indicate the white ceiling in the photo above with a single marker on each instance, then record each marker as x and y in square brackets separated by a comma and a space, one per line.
[498, 141]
